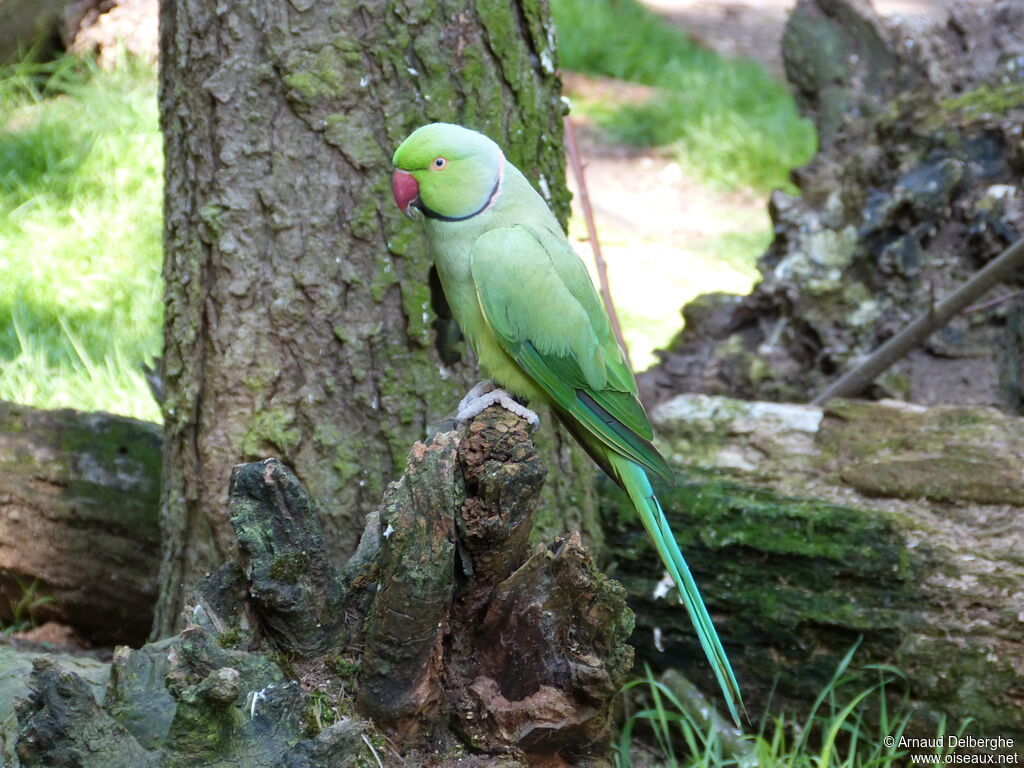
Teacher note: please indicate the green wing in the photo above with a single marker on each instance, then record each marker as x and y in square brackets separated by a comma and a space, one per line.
[538, 300]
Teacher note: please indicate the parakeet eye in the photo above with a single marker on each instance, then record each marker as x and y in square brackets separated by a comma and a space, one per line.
[439, 163]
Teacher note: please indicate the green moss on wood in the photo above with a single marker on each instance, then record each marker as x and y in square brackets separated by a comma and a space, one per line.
[231, 638]
[985, 101]
[273, 428]
[288, 567]
[945, 453]
[319, 712]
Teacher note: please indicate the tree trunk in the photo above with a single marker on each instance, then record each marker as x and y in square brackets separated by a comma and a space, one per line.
[300, 320]
[809, 528]
[443, 628]
[79, 501]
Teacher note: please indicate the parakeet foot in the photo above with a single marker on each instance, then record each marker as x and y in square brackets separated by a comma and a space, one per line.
[479, 389]
[470, 407]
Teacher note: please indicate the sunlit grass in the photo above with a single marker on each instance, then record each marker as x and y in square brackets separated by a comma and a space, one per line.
[80, 234]
[729, 121]
[846, 727]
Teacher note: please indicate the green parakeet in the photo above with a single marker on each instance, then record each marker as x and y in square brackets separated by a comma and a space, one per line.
[527, 306]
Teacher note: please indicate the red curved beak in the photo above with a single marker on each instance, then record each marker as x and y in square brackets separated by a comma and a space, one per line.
[405, 188]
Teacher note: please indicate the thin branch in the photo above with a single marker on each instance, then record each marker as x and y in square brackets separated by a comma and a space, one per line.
[992, 302]
[595, 245]
[853, 382]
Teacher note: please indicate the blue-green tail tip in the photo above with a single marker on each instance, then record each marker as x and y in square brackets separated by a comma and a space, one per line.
[635, 482]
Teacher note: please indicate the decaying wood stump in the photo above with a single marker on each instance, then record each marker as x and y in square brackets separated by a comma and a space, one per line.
[79, 517]
[15, 671]
[461, 646]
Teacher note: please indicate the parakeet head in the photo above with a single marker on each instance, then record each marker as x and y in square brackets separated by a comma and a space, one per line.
[447, 172]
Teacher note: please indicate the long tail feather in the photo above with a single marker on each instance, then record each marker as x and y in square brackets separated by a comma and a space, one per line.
[635, 482]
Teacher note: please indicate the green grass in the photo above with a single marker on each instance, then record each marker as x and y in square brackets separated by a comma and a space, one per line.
[23, 609]
[80, 234]
[837, 732]
[729, 121]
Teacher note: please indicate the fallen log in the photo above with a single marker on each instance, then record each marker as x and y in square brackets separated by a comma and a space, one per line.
[810, 529]
[79, 519]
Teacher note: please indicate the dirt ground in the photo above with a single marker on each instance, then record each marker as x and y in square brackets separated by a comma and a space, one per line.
[655, 222]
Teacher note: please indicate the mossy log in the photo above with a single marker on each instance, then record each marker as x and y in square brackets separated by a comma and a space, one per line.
[79, 519]
[444, 640]
[810, 529]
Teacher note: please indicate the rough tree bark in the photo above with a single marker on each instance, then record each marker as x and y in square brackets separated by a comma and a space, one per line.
[465, 648]
[79, 505]
[300, 321]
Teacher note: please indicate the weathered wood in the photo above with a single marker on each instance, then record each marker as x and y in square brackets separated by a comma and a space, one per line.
[296, 591]
[526, 653]
[538, 671]
[808, 528]
[442, 635]
[853, 382]
[61, 724]
[15, 671]
[407, 622]
[79, 510]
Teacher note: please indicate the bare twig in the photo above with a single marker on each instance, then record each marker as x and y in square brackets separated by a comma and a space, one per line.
[853, 382]
[992, 302]
[595, 245]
